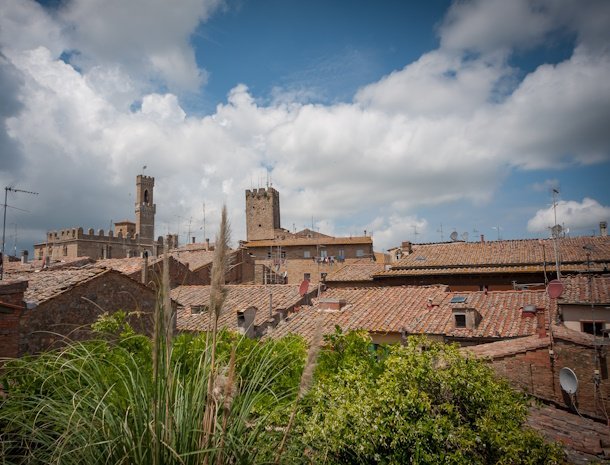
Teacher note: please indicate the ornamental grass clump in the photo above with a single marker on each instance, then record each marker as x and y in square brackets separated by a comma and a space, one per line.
[146, 401]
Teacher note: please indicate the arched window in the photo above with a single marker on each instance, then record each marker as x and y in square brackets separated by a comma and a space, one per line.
[146, 196]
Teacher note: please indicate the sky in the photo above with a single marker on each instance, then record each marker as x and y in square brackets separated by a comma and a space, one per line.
[407, 120]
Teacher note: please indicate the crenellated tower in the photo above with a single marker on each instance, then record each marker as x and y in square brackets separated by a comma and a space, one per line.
[145, 208]
[262, 213]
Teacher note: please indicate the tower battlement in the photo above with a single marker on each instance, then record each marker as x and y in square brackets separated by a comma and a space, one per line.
[262, 213]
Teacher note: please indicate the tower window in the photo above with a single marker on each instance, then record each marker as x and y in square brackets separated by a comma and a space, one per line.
[146, 196]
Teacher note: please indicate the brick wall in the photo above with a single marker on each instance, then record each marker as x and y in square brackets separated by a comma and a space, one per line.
[533, 372]
[11, 308]
[68, 316]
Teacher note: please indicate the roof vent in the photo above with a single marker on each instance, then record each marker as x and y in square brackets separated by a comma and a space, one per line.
[528, 310]
[332, 305]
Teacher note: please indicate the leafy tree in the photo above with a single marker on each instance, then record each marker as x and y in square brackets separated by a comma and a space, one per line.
[418, 403]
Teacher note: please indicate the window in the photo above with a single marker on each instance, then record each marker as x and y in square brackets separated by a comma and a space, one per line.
[323, 253]
[359, 253]
[146, 196]
[460, 320]
[592, 327]
[341, 254]
[307, 254]
[65, 250]
[307, 276]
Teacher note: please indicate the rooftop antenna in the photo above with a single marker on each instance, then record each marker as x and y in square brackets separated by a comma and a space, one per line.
[556, 231]
[6, 191]
[440, 230]
[415, 233]
[497, 228]
[204, 236]
[453, 236]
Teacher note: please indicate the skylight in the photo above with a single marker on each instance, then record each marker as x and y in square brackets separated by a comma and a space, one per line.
[458, 299]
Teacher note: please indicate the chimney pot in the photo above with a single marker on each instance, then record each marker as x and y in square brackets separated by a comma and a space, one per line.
[482, 237]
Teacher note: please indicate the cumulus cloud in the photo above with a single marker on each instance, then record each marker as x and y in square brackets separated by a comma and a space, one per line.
[440, 130]
[570, 214]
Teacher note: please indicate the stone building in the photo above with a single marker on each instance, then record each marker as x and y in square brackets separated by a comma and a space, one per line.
[128, 239]
[285, 257]
[53, 307]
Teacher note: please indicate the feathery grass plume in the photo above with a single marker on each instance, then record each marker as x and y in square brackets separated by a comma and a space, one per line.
[306, 380]
[218, 294]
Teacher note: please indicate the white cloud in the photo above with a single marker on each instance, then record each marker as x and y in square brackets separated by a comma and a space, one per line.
[432, 133]
[570, 214]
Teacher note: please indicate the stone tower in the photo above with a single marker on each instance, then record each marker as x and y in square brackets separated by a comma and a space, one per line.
[145, 208]
[262, 213]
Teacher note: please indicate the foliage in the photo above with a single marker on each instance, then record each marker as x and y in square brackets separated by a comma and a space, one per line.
[418, 403]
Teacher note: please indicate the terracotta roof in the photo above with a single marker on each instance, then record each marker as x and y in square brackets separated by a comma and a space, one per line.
[309, 241]
[582, 437]
[487, 269]
[507, 347]
[126, 265]
[393, 309]
[46, 284]
[581, 289]
[362, 271]
[239, 298]
[506, 253]
[194, 258]
[37, 265]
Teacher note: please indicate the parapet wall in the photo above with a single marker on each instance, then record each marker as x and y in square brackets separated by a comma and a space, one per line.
[78, 233]
[261, 191]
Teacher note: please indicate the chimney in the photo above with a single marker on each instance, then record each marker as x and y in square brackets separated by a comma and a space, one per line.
[193, 239]
[24, 256]
[245, 321]
[331, 304]
[145, 269]
[207, 243]
[540, 322]
[603, 228]
[406, 247]
[482, 237]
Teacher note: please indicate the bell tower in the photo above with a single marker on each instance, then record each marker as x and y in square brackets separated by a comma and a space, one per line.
[145, 208]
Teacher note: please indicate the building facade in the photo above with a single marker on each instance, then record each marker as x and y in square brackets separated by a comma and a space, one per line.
[128, 239]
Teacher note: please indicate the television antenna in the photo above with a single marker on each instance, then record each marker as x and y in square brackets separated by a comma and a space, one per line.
[498, 228]
[6, 191]
[440, 230]
[465, 236]
[454, 236]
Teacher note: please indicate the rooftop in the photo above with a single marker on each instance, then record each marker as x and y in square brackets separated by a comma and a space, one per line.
[522, 252]
[420, 310]
[239, 298]
[313, 241]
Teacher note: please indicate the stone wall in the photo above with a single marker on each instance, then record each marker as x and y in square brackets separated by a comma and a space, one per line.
[69, 316]
[11, 308]
[262, 213]
[536, 373]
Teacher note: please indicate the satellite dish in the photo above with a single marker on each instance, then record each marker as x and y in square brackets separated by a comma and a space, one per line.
[465, 236]
[568, 380]
[554, 289]
[453, 236]
[556, 230]
[304, 287]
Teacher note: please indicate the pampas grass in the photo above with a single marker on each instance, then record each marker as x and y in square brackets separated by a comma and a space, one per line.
[101, 403]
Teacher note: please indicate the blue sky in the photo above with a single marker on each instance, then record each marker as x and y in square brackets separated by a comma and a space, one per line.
[392, 117]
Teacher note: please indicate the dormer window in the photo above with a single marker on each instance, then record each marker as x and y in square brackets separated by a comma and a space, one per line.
[460, 320]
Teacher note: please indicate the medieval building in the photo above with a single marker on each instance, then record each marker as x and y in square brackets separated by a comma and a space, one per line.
[128, 239]
[285, 257]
